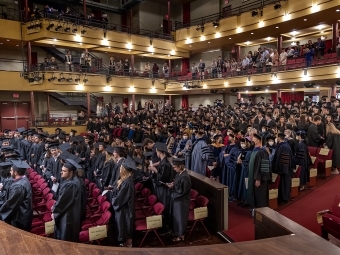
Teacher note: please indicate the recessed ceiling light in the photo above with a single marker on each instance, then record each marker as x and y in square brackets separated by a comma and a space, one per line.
[190, 46]
[338, 10]
[304, 19]
[277, 27]
[1, 43]
[252, 33]
[105, 51]
[294, 84]
[54, 39]
[80, 43]
[229, 38]
[17, 45]
[223, 89]
[7, 40]
[208, 42]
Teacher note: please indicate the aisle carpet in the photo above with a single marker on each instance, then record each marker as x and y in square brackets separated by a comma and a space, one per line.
[301, 210]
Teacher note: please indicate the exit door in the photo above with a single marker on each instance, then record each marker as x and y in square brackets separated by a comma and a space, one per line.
[14, 115]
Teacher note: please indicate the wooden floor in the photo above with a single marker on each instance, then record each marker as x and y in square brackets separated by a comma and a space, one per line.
[300, 241]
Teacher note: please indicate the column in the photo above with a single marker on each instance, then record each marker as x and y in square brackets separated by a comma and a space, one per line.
[26, 10]
[48, 108]
[84, 10]
[239, 96]
[170, 99]
[169, 67]
[333, 93]
[29, 56]
[335, 36]
[169, 23]
[279, 44]
[238, 52]
[278, 93]
[133, 102]
[88, 101]
[131, 19]
[132, 64]
[32, 108]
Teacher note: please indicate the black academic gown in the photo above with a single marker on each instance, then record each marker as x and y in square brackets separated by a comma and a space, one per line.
[180, 203]
[6, 184]
[24, 149]
[164, 175]
[17, 209]
[104, 175]
[283, 165]
[67, 211]
[123, 203]
[302, 158]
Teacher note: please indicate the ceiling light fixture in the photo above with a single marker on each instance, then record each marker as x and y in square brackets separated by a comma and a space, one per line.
[50, 26]
[261, 23]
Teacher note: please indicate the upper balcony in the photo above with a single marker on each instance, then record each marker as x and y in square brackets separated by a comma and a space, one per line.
[227, 31]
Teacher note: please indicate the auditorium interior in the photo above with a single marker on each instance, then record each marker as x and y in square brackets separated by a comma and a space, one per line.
[40, 87]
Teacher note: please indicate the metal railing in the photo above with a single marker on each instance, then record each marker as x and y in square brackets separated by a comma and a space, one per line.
[225, 14]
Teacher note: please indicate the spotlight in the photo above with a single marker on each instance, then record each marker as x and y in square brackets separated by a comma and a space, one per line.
[67, 29]
[254, 13]
[30, 79]
[74, 29]
[200, 27]
[50, 26]
[85, 79]
[104, 33]
[108, 79]
[83, 31]
[62, 78]
[59, 27]
[215, 24]
[52, 78]
[69, 79]
[37, 78]
[234, 90]
[277, 6]
[37, 25]
[77, 79]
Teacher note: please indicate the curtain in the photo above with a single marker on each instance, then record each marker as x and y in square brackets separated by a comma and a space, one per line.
[328, 45]
[186, 14]
[185, 66]
[185, 102]
[126, 101]
[289, 96]
[34, 58]
[274, 97]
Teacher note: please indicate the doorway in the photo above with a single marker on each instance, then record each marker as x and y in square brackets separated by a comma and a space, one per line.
[14, 115]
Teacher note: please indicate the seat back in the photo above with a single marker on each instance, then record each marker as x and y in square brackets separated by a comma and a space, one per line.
[46, 191]
[312, 150]
[194, 194]
[32, 175]
[43, 186]
[152, 199]
[49, 205]
[104, 219]
[201, 201]
[95, 192]
[105, 206]
[146, 192]
[48, 197]
[40, 182]
[101, 199]
[336, 204]
[275, 185]
[91, 186]
[138, 187]
[324, 157]
[37, 177]
[158, 208]
[297, 173]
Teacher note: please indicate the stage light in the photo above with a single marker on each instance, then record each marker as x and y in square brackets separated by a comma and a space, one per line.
[277, 6]
[52, 78]
[51, 25]
[85, 79]
[74, 29]
[83, 31]
[30, 79]
[108, 79]
[61, 78]
[69, 79]
[77, 79]
[215, 24]
[59, 27]
[67, 29]
[254, 13]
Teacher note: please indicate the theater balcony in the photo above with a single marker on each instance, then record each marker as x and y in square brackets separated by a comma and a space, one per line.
[230, 28]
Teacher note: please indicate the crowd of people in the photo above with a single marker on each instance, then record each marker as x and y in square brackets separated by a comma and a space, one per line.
[239, 145]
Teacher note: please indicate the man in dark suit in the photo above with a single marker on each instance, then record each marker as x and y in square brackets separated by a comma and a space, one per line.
[259, 121]
[68, 61]
[201, 68]
[313, 135]
[117, 109]
[320, 47]
[269, 121]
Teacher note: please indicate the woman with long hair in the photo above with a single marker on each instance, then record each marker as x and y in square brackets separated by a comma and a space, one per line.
[302, 123]
[333, 143]
[123, 203]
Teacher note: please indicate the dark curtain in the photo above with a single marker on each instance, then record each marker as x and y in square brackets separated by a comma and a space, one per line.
[185, 65]
[328, 45]
[274, 97]
[186, 14]
[289, 96]
[126, 101]
[34, 58]
[185, 102]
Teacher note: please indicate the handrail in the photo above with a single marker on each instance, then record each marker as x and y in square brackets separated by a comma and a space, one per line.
[97, 24]
[225, 14]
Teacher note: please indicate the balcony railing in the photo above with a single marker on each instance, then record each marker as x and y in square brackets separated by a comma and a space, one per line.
[226, 13]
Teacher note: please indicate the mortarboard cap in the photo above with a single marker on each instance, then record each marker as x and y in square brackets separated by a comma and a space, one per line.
[119, 149]
[161, 147]
[129, 164]
[72, 165]
[109, 149]
[138, 145]
[53, 145]
[21, 130]
[300, 132]
[96, 145]
[19, 164]
[6, 131]
[6, 164]
[178, 161]
[73, 131]
[64, 147]
[57, 129]
[148, 155]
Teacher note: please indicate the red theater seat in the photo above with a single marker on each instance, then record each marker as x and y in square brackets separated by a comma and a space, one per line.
[331, 220]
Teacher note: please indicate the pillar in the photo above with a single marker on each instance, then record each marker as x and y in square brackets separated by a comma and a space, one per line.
[335, 36]
[131, 18]
[32, 108]
[133, 102]
[238, 96]
[170, 67]
[238, 52]
[333, 93]
[132, 64]
[29, 56]
[84, 10]
[48, 108]
[278, 93]
[169, 23]
[170, 99]
[88, 101]
[279, 44]
[26, 10]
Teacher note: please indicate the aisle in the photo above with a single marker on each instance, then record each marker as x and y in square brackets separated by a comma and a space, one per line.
[301, 210]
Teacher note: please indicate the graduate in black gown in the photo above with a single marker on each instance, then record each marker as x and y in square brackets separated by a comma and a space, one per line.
[103, 176]
[283, 165]
[17, 209]
[5, 180]
[123, 203]
[66, 212]
[302, 158]
[259, 175]
[180, 199]
[161, 175]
